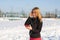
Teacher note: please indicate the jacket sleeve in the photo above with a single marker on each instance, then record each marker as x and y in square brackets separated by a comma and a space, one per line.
[27, 21]
[39, 28]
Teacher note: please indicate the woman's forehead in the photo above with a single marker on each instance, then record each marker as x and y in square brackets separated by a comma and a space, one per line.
[37, 10]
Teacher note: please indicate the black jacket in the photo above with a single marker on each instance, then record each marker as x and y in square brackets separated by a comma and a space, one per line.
[36, 27]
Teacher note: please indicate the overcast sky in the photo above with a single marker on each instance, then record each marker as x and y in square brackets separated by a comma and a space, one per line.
[27, 5]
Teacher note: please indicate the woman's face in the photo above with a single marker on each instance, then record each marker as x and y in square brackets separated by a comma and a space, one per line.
[34, 13]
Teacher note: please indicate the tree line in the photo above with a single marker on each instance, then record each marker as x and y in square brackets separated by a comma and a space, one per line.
[22, 14]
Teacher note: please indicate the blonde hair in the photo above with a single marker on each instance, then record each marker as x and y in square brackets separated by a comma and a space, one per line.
[38, 13]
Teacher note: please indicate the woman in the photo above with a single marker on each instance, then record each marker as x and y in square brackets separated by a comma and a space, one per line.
[34, 24]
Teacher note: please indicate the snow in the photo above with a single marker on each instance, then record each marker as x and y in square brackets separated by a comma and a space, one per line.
[15, 30]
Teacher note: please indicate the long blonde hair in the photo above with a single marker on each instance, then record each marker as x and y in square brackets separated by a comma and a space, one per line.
[38, 13]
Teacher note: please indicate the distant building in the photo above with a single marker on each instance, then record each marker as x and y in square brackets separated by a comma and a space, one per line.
[1, 14]
[50, 15]
[10, 14]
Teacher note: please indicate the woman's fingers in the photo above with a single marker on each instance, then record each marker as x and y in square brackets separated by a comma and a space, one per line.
[29, 28]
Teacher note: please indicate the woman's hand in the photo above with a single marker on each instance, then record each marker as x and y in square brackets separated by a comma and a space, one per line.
[29, 27]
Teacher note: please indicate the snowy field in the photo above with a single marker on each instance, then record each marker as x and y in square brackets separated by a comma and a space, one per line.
[15, 30]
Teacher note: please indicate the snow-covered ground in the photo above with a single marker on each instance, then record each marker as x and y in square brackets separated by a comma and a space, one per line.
[15, 30]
